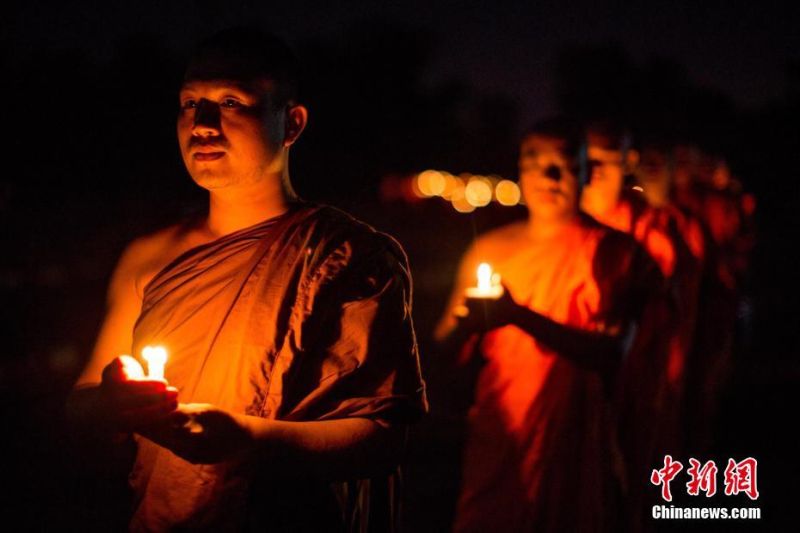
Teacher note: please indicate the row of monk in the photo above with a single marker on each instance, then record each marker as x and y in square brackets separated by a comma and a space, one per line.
[613, 336]
[293, 372]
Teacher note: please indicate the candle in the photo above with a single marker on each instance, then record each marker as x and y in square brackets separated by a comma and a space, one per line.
[131, 368]
[488, 284]
[156, 357]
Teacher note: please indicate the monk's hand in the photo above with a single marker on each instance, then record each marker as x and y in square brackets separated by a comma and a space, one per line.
[202, 434]
[484, 314]
[129, 402]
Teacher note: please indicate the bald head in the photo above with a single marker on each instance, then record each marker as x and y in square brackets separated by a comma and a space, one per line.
[247, 55]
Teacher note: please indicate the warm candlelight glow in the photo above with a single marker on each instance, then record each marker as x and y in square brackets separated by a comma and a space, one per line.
[507, 193]
[156, 357]
[131, 368]
[488, 283]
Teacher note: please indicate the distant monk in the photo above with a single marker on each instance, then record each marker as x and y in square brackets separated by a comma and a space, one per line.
[293, 368]
[661, 165]
[608, 200]
[711, 208]
[539, 454]
[647, 389]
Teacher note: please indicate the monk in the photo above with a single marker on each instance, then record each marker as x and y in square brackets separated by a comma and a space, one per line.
[539, 453]
[608, 199]
[704, 206]
[649, 393]
[293, 370]
[664, 176]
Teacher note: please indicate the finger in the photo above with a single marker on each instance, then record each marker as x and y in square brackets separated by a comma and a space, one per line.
[150, 413]
[136, 387]
[178, 418]
[123, 401]
[140, 417]
[461, 311]
[113, 371]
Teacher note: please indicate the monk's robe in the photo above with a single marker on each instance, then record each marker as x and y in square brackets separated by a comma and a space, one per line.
[632, 215]
[300, 318]
[689, 242]
[539, 454]
[715, 339]
[650, 393]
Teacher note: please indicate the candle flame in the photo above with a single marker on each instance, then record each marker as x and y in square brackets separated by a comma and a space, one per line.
[488, 284]
[484, 277]
[156, 357]
[131, 368]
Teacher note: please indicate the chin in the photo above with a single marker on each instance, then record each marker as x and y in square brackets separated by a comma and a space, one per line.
[211, 180]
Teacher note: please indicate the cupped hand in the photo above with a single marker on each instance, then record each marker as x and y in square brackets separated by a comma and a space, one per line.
[484, 314]
[202, 434]
[130, 401]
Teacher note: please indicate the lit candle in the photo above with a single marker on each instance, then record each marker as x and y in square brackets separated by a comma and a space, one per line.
[131, 368]
[488, 284]
[156, 357]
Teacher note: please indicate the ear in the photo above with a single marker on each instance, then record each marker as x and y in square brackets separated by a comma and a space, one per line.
[631, 160]
[296, 119]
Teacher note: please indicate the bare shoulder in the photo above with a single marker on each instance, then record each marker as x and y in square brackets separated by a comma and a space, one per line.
[145, 256]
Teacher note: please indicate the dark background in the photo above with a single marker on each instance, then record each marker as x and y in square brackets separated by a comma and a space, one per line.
[90, 161]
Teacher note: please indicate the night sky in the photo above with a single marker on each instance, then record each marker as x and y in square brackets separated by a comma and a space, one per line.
[744, 49]
[90, 99]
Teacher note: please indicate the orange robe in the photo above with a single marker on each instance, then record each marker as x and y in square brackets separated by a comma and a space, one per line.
[304, 317]
[633, 216]
[651, 388]
[538, 455]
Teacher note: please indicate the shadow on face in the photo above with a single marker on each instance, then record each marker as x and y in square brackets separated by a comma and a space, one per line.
[548, 177]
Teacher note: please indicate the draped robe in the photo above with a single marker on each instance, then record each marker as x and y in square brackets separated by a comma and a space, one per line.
[540, 452]
[300, 318]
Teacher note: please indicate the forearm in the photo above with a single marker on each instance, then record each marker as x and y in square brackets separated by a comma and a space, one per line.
[350, 448]
[87, 416]
[596, 351]
[83, 406]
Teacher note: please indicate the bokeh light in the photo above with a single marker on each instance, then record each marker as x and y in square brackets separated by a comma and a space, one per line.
[507, 193]
[478, 191]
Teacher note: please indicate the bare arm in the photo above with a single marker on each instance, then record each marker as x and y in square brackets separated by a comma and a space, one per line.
[331, 449]
[346, 448]
[598, 351]
[117, 405]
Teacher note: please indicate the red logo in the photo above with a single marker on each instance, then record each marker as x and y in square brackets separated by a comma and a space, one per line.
[741, 477]
[664, 476]
[703, 478]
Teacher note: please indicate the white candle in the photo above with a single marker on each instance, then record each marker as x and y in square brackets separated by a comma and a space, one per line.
[131, 368]
[156, 357]
[488, 284]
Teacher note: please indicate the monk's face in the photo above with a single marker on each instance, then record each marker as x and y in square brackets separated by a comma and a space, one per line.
[229, 134]
[549, 184]
[654, 169]
[602, 192]
[685, 165]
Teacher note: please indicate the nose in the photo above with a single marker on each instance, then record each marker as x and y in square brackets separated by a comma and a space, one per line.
[553, 172]
[206, 119]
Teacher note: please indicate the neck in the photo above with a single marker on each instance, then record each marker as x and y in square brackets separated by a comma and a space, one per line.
[542, 228]
[235, 208]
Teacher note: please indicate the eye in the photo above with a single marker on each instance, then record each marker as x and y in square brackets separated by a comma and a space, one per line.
[230, 103]
[189, 104]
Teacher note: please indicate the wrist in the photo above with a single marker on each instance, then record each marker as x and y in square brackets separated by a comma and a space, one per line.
[256, 433]
[517, 313]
